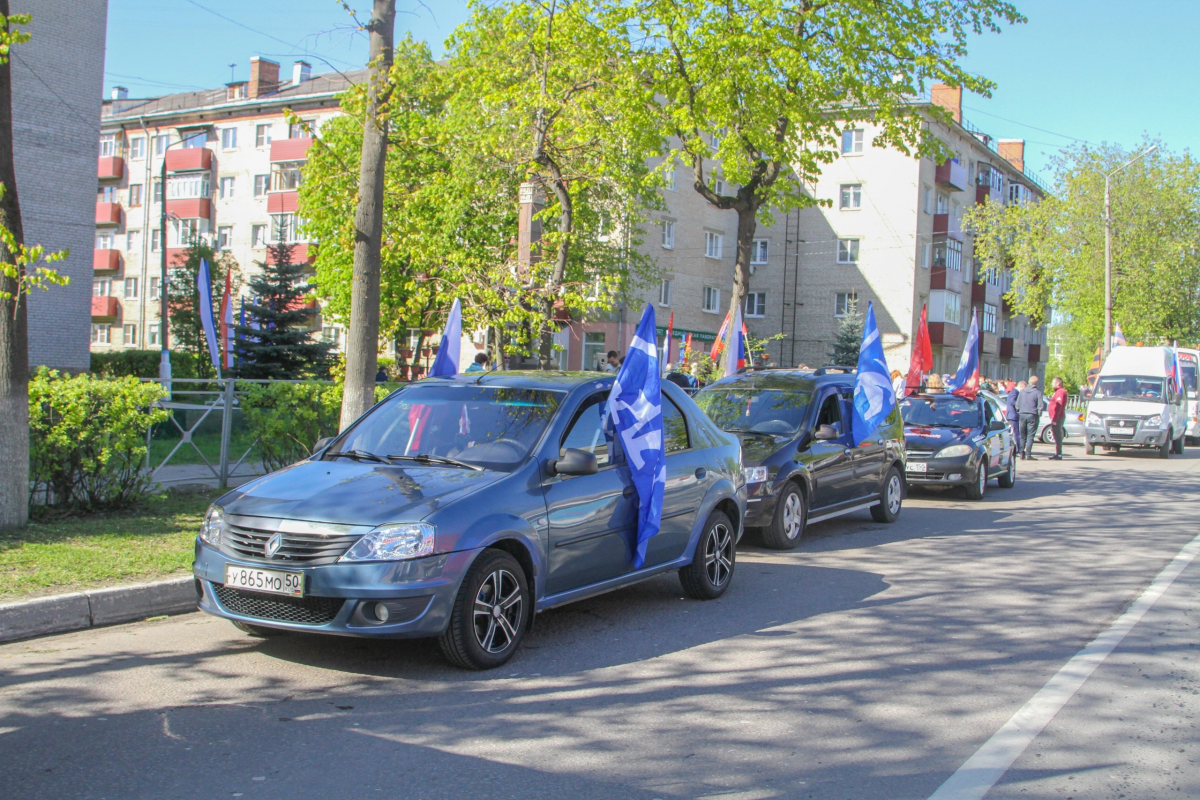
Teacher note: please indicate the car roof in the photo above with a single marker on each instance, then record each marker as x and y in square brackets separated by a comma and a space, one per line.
[552, 380]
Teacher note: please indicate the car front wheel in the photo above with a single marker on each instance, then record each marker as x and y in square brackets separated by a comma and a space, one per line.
[891, 499]
[490, 613]
[711, 570]
[978, 488]
[787, 525]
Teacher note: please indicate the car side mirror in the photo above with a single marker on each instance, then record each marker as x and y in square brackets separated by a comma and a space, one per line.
[825, 433]
[321, 444]
[574, 462]
[996, 425]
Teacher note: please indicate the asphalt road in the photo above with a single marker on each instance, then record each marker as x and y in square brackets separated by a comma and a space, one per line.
[869, 663]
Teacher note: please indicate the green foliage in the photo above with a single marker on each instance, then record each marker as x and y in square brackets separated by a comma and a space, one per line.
[277, 341]
[140, 364]
[847, 339]
[183, 299]
[87, 438]
[10, 35]
[27, 267]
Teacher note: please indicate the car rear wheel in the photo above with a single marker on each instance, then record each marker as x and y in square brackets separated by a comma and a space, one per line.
[1177, 446]
[261, 631]
[1048, 434]
[711, 570]
[1009, 478]
[490, 614]
[787, 526]
[890, 499]
[978, 488]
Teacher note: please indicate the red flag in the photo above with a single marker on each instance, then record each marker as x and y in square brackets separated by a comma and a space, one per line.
[922, 356]
[670, 333]
[716, 348]
[687, 347]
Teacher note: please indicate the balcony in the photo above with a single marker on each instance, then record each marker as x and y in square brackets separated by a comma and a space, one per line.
[937, 279]
[108, 213]
[946, 225]
[989, 185]
[1035, 353]
[282, 202]
[951, 175]
[989, 343]
[110, 168]
[291, 149]
[302, 253]
[189, 159]
[1006, 347]
[105, 308]
[985, 293]
[945, 333]
[190, 208]
[106, 261]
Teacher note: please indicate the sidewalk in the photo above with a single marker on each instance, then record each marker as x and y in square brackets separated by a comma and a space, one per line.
[93, 608]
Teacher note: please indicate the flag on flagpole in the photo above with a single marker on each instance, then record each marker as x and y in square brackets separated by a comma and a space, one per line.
[1118, 338]
[204, 289]
[966, 381]
[227, 329]
[719, 343]
[446, 363]
[687, 348]
[922, 356]
[735, 349]
[874, 397]
[670, 333]
[634, 414]
[1093, 373]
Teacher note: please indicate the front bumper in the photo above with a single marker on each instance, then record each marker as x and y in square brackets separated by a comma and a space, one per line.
[419, 593]
[1141, 437]
[956, 471]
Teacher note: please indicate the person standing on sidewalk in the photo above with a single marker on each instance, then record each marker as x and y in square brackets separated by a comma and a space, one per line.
[1057, 409]
[1010, 413]
[1029, 410]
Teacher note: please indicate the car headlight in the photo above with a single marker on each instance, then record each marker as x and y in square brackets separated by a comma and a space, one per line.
[1154, 421]
[214, 522]
[954, 450]
[396, 542]
[1094, 419]
[755, 474]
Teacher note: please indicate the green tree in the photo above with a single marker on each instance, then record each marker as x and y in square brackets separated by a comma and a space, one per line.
[183, 299]
[277, 340]
[759, 91]
[847, 340]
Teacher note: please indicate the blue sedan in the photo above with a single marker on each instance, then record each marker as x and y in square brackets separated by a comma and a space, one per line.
[458, 508]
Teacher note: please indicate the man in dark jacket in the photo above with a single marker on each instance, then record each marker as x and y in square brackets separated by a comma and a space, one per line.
[1029, 411]
[1010, 413]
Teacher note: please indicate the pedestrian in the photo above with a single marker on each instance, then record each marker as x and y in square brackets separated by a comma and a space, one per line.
[898, 384]
[1057, 409]
[479, 364]
[1029, 411]
[1010, 413]
[613, 363]
[934, 383]
[381, 376]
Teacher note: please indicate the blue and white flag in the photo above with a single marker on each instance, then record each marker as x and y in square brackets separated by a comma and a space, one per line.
[207, 321]
[446, 363]
[874, 397]
[635, 416]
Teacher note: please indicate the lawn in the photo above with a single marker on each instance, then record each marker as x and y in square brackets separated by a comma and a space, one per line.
[69, 553]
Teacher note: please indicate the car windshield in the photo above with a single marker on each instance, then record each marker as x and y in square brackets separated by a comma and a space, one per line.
[1188, 368]
[747, 408]
[940, 412]
[1130, 387]
[489, 427]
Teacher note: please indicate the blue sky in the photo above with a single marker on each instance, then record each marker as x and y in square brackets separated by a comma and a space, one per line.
[1091, 70]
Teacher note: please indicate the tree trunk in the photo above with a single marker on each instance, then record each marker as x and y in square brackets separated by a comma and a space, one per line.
[747, 225]
[14, 335]
[362, 339]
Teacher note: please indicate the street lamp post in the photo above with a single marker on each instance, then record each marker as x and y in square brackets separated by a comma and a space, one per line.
[1108, 247]
[164, 364]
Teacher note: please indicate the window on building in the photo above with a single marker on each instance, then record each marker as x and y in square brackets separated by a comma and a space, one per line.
[195, 140]
[154, 284]
[101, 287]
[926, 255]
[669, 178]
[155, 240]
[718, 186]
[712, 244]
[130, 333]
[333, 335]
[108, 145]
[847, 251]
[262, 135]
[668, 235]
[186, 232]
[258, 236]
[844, 303]
[285, 176]
[104, 241]
[756, 304]
[852, 141]
[137, 148]
[989, 318]
[108, 194]
[228, 138]
[851, 196]
[943, 203]
[664, 292]
[227, 186]
[161, 143]
[301, 129]
[595, 348]
[712, 299]
[99, 334]
[224, 234]
[152, 335]
[156, 191]
[283, 228]
[131, 288]
[133, 241]
[947, 254]
[187, 186]
[261, 184]
[135, 195]
[927, 200]
[759, 250]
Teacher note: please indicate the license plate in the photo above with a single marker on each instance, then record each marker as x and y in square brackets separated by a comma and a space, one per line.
[918, 466]
[265, 580]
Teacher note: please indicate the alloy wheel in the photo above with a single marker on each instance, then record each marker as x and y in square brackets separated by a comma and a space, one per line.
[793, 515]
[718, 554]
[895, 495]
[983, 479]
[498, 609]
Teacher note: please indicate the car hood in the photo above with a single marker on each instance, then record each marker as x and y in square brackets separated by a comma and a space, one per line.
[355, 493]
[1128, 408]
[759, 447]
[921, 438]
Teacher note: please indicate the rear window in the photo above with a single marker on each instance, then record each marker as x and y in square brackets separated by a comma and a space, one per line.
[949, 411]
[754, 410]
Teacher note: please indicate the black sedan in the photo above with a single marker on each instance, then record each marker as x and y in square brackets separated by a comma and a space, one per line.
[956, 441]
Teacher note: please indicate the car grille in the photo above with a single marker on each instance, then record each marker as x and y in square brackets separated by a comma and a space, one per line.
[920, 454]
[301, 610]
[309, 549]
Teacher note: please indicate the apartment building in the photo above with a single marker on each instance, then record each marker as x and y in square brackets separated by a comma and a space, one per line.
[233, 164]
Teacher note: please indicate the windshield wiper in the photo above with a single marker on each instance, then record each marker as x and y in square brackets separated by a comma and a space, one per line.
[360, 455]
[425, 458]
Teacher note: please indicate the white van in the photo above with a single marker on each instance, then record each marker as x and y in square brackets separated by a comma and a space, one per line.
[1189, 365]
[1134, 402]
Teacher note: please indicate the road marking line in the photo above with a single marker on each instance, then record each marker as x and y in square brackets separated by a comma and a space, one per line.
[981, 771]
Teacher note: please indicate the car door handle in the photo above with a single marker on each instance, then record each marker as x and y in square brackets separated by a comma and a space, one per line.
[700, 473]
[628, 491]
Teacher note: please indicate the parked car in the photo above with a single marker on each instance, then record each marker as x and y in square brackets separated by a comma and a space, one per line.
[957, 441]
[800, 463]
[1134, 403]
[458, 507]
[1072, 426]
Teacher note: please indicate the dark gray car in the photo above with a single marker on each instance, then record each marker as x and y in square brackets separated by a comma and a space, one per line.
[458, 508]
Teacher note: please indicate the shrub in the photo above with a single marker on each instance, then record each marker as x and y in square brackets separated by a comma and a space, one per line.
[87, 438]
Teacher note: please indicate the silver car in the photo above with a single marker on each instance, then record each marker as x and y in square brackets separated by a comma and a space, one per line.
[1073, 426]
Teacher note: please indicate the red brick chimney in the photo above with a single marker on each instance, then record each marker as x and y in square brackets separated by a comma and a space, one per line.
[1012, 151]
[264, 76]
[949, 98]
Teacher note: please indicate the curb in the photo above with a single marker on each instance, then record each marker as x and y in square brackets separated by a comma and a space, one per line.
[91, 609]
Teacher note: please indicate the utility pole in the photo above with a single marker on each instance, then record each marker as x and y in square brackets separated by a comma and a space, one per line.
[1108, 246]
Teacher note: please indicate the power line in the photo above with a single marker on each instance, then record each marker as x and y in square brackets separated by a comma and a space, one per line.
[291, 45]
[1022, 124]
[148, 80]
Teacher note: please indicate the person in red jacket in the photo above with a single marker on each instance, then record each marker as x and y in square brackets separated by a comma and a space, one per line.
[1057, 410]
